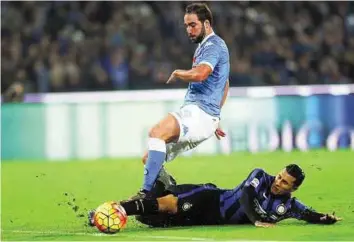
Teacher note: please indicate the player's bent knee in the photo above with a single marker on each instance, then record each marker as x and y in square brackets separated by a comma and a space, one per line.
[155, 132]
[168, 204]
[167, 129]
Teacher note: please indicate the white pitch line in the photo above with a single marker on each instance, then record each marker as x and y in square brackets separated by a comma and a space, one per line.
[144, 237]
[102, 234]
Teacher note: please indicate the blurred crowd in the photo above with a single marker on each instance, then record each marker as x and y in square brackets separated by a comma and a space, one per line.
[86, 46]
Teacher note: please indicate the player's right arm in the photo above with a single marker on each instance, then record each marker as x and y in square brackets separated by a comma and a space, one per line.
[204, 68]
[249, 193]
[302, 212]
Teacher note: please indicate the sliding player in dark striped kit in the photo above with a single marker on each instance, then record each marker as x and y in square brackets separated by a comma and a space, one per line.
[261, 199]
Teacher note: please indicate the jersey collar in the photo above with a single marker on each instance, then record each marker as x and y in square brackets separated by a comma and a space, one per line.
[206, 38]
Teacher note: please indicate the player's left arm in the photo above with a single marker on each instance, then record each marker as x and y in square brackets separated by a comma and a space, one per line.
[219, 133]
[226, 92]
[302, 212]
[210, 57]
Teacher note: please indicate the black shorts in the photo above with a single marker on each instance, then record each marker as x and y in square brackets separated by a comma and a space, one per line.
[197, 204]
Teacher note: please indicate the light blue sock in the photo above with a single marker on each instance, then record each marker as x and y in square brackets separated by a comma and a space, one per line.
[156, 157]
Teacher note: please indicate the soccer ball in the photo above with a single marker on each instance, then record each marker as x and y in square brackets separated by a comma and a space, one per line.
[110, 218]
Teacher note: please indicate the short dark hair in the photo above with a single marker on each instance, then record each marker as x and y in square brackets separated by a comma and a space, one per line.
[296, 172]
[201, 10]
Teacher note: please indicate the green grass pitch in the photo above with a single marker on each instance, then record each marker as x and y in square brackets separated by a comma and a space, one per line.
[46, 200]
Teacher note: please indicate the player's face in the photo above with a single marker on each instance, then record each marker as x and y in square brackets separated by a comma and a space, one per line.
[195, 28]
[283, 183]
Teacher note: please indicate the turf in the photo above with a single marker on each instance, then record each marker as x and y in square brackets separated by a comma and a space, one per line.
[47, 200]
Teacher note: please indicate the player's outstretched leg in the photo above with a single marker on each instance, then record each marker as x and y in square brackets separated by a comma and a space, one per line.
[147, 206]
[165, 204]
[161, 220]
[156, 157]
[164, 177]
[165, 131]
[133, 207]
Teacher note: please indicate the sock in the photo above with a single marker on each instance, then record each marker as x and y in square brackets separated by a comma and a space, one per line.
[156, 158]
[165, 178]
[140, 207]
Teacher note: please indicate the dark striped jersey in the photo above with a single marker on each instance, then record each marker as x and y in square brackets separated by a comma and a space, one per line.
[270, 208]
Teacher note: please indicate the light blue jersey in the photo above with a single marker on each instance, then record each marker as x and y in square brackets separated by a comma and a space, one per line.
[208, 93]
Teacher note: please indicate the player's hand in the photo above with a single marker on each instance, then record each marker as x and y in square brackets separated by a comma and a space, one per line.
[263, 225]
[172, 78]
[330, 219]
[219, 133]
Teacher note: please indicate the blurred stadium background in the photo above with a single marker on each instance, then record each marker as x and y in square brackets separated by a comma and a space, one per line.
[86, 80]
[292, 75]
[88, 46]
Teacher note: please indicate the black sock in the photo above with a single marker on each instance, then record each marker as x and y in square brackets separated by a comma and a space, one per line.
[141, 207]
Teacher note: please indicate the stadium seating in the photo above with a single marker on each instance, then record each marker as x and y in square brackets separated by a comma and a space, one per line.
[88, 46]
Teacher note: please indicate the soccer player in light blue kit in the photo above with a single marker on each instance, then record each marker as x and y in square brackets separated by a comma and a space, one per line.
[198, 118]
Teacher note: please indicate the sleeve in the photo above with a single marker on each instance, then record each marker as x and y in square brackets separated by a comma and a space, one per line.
[210, 55]
[255, 179]
[249, 193]
[302, 212]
